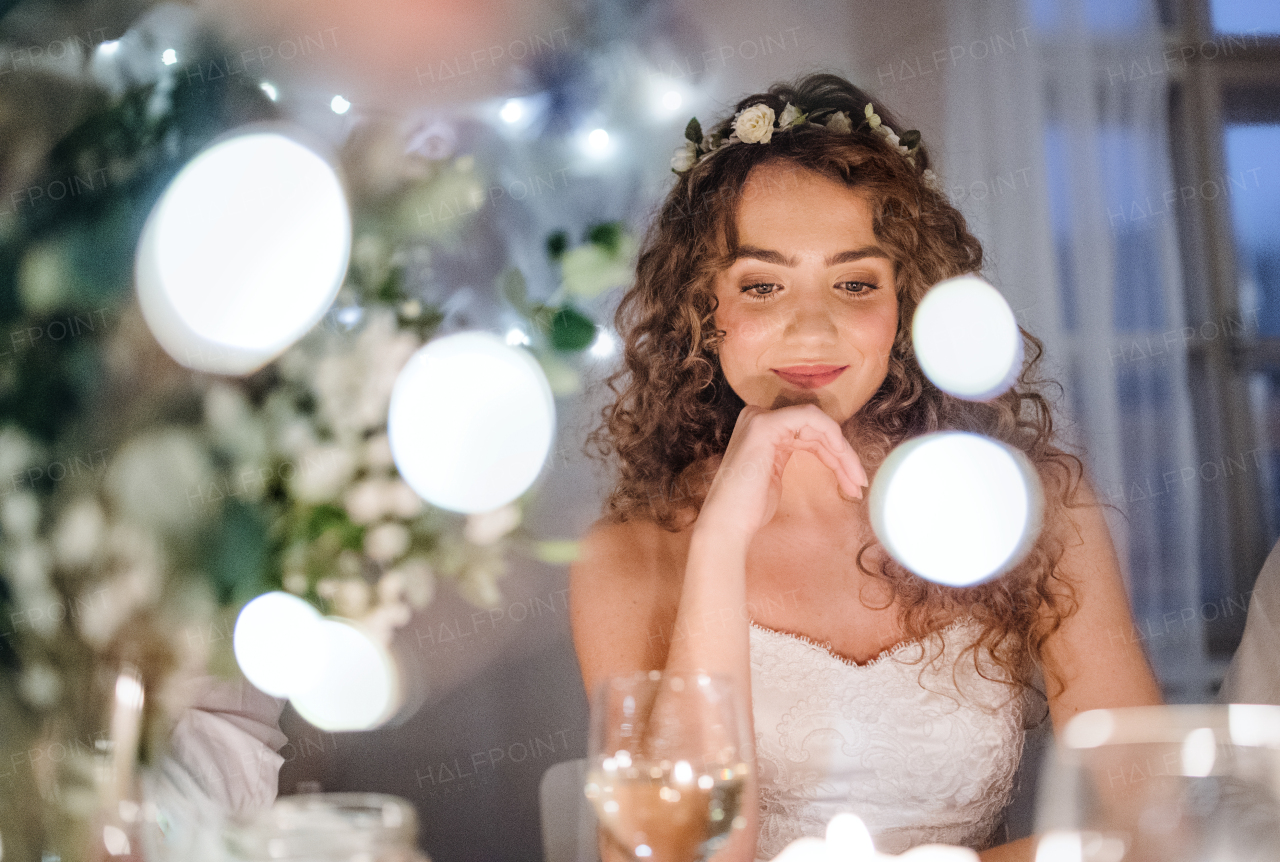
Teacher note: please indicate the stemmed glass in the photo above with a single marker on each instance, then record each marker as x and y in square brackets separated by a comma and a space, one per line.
[666, 766]
[1163, 784]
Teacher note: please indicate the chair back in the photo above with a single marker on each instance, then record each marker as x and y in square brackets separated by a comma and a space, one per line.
[568, 820]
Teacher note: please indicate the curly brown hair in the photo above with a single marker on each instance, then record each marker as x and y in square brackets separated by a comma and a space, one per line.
[672, 411]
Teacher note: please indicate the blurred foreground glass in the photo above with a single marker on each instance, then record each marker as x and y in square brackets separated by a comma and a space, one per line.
[328, 827]
[667, 766]
[1164, 784]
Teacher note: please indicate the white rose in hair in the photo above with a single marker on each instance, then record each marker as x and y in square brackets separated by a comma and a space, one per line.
[755, 124]
[684, 157]
[839, 122]
[788, 115]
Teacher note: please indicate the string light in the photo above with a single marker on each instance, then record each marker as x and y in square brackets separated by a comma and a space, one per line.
[604, 345]
[512, 110]
[598, 141]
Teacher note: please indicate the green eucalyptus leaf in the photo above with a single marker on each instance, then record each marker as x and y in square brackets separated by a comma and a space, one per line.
[556, 244]
[391, 290]
[540, 316]
[235, 553]
[591, 269]
[512, 284]
[693, 131]
[607, 235]
[571, 330]
[556, 551]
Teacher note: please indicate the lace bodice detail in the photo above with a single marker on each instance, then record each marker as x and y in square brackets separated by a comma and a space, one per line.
[920, 758]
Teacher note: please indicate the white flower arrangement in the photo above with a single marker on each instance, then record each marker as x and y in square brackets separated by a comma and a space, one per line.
[757, 123]
[684, 157]
[790, 116]
[754, 125]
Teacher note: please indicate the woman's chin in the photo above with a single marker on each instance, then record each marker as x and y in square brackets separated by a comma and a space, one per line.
[790, 396]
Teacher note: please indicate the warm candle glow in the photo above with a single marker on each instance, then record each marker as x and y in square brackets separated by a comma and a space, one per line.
[848, 840]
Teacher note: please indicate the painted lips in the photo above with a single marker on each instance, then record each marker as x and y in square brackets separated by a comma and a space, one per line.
[810, 376]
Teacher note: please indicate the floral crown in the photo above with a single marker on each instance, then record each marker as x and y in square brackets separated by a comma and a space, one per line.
[755, 125]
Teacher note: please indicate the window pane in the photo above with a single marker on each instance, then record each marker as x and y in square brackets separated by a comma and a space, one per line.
[1045, 14]
[1252, 187]
[1100, 16]
[1058, 177]
[1104, 15]
[1246, 16]
[1264, 400]
[1138, 294]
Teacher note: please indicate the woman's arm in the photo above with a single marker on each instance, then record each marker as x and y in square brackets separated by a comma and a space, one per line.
[1092, 661]
[621, 600]
[626, 616]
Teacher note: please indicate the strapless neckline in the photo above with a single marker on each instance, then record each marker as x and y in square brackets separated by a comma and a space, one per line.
[882, 656]
[921, 742]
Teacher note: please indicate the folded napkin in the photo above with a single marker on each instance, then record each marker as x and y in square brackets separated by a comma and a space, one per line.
[229, 740]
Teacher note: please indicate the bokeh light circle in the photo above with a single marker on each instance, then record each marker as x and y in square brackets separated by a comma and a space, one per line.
[471, 422]
[966, 338]
[956, 508]
[243, 252]
[279, 643]
[358, 688]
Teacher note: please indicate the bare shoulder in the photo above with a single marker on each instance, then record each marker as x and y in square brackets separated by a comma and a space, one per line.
[624, 591]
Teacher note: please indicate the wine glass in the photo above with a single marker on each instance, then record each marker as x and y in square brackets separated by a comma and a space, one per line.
[1188, 783]
[666, 766]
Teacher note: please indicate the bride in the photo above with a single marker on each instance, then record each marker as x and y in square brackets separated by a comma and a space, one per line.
[768, 371]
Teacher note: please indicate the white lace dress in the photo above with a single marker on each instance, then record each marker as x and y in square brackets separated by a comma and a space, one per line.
[921, 759]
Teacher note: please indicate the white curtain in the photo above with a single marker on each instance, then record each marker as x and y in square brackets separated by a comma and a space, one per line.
[1056, 147]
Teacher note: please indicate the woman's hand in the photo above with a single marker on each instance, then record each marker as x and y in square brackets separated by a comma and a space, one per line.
[748, 484]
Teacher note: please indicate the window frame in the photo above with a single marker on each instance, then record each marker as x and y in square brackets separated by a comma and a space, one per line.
[1219, 369]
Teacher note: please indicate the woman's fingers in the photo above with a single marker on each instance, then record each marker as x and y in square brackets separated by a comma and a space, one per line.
[835, 441]
[837, 465]
[807, 427]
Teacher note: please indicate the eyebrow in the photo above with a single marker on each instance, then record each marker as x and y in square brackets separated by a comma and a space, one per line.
[776, 257]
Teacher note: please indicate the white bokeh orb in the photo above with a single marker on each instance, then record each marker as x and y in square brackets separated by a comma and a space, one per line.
[956, 508]
[966, 338]
[243, 252]
[279, 643]
[471, 422]
[358, 688]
